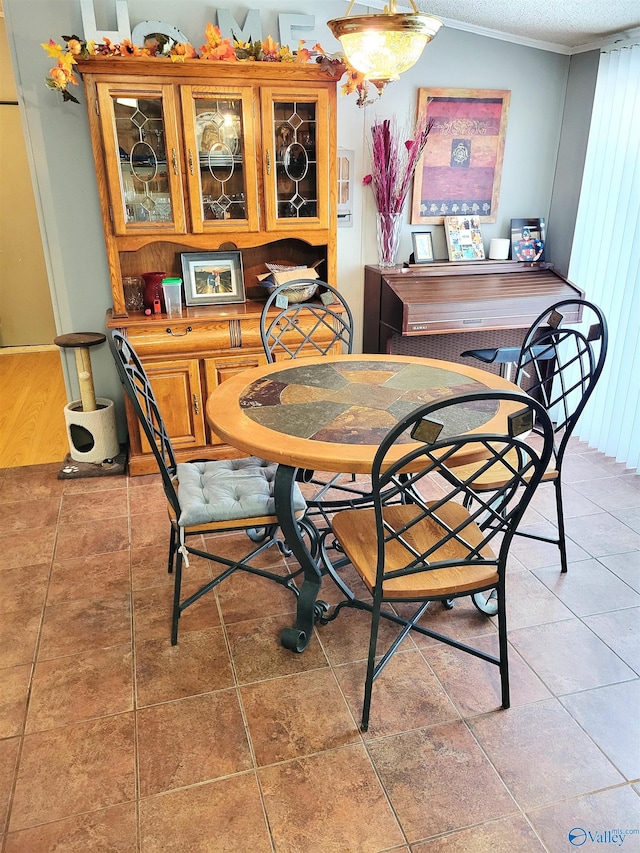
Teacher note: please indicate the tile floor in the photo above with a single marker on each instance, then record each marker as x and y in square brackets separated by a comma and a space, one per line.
[112, 740]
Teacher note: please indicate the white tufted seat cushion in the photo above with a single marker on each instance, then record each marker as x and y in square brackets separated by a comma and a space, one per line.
[228, 490]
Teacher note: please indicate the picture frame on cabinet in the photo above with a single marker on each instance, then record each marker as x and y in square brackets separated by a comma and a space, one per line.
[212, 278]
[464, 238]
[422, 247]
[528, 237]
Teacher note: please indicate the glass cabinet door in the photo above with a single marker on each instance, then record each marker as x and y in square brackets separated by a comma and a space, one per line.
[221, 158]
[296, 156]
[142, 158]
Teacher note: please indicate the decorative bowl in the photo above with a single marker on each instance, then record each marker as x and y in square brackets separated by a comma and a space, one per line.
[296, 292]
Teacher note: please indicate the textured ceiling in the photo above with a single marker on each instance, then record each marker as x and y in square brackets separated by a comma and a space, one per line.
[565, 25]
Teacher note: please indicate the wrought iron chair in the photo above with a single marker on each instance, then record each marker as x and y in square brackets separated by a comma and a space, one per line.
[293, 331]
[204, 497]
[300, 329]
[411, 550]
[560, 366]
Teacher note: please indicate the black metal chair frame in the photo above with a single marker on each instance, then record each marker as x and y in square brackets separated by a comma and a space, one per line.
[561, 366]
[262, 531]
[274, 329]
[293, 318]
[396, 487]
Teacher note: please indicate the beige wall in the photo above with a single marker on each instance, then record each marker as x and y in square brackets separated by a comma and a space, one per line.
[26, 315]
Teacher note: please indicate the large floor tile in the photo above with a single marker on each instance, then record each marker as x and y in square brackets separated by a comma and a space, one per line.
[153, 608]
[81, 687]
[191, 740]
[150, 527]
[588, 587]
[626, 566]
[244, 596]
[258, 654]
[76, 769]
[32, 481]
[439, 780]
[347, 637]
[30, 547]
[602, 534]
[609, 715]
[591, 822]
[462, 622]
[529, 602]
[86, 538]
[609, 493]
[620, 630]
[23, 587]
[84, 625]
[113, 830]
[406, 695]
[220, 817]
[97, 576]
[94, 506]
[18, 637]
[529, 745]
[9, 749]
[533, 553]
[567, 656]
[509, 835]
[297, 715]
[328, 803]
[149, 567]
[14, 693]
[473, 685]
[19, 515]
[199, 663]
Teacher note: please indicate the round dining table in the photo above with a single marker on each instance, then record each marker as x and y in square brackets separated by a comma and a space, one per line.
[330, 413]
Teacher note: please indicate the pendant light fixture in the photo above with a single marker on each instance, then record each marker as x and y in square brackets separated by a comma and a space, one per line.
[383, 45]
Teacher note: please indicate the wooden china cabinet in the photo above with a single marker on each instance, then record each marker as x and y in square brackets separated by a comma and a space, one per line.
[204, 156]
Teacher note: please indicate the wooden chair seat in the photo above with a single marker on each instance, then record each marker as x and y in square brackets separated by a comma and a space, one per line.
[356, 532]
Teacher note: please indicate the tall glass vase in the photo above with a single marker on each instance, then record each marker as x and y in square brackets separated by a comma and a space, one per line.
[388, 226]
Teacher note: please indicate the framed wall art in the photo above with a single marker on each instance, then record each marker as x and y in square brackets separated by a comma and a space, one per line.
[527, 239]
[464, 238]
[212, 278]
[422, 247]
[461, 166]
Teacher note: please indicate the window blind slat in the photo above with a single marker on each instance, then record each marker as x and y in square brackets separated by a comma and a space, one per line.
[605, 258]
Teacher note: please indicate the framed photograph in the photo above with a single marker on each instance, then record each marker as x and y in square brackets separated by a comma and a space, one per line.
[464, 238]
[461, 166]
[527, 239]
[422, 247]
[212, 278]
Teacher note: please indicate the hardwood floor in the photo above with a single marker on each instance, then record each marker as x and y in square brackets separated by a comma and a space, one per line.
[32, 401]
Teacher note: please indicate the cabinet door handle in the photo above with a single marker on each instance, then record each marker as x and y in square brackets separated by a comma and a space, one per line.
[196, 405]
[191, 161]
[174, 161]
[179, 334]
[268, 162]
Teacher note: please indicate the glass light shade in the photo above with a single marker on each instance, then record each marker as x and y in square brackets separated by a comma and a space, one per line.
[383, 46]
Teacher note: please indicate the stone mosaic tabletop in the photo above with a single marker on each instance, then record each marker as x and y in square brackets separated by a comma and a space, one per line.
[357, 401]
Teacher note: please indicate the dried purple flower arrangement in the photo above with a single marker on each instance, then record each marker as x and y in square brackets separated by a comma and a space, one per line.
[394, 159]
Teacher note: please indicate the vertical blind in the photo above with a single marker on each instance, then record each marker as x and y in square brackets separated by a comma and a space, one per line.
[605, 258]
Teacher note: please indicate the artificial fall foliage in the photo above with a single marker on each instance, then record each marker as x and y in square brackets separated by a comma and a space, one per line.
[216, 48]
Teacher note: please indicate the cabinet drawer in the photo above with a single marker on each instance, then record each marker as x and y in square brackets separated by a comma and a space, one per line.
[194, 337]
[179, 336]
